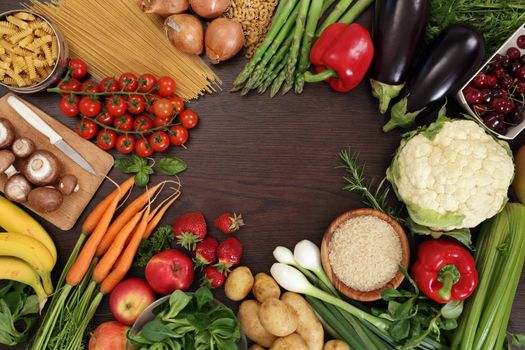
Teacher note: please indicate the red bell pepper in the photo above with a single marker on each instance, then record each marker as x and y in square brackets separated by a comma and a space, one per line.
[341, 56]
[445, 271]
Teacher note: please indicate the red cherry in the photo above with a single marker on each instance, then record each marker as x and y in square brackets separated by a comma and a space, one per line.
[514, 53]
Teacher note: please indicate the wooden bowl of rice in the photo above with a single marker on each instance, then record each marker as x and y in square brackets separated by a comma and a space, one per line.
[361, 252]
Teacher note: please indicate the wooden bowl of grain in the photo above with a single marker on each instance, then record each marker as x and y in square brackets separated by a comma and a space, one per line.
[361, 252]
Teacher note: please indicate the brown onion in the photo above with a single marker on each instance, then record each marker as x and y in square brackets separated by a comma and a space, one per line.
[209, 8]
[163, 7]
[224, 38]
[185, 33]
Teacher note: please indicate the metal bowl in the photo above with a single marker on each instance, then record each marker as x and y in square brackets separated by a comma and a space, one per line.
[60, 65]
[148, 315]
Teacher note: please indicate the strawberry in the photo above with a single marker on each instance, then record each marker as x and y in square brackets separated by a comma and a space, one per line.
[206, 252]
[228, 222]
[189, 229]
[229, 253]
[212, 277]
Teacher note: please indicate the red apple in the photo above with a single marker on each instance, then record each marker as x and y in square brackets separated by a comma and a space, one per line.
[169, 270]
[129, 298]
[109, 336]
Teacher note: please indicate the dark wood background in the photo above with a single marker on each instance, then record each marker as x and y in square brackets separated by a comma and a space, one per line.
[273, 160]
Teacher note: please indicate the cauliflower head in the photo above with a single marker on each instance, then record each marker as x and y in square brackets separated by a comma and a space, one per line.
[452, 174]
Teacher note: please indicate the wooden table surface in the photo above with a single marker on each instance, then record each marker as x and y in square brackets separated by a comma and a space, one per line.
[273, 160]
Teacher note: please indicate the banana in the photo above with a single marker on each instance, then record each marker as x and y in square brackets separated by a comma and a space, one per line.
[14, 219]
[17, 270]
[31, 251]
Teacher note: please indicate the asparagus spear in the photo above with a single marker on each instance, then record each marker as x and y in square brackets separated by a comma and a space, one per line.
[296, 45]
[337, 12]
[359, 7]
[326, 5]
[270, 78]
[278, 23]
[278, 82]
[304, 59]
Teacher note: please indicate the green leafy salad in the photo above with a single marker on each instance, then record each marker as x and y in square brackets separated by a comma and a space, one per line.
[189, 321]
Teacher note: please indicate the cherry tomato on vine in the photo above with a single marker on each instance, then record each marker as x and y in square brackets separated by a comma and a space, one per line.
[116, 106]
[106, 139]
[143, 123]
[125, 143]
[177, 102]
[136, 104]
[163, 108]
[147, 82]
[109, 85]
[128, 82]
[89, 106]
[178, 135]
[124, 122]
[70, 85]
[90, 86]
[159, 141]
[105, 118]
[86, 128]
[78, 67]
[167, 86]
[143, 148]
[189, 119]
[69, 105]
[161, 121]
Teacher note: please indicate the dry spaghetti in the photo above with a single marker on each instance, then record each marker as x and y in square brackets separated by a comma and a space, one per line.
[115, 36]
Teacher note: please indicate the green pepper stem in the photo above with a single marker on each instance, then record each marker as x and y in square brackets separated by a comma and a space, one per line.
[448, 275]
[315, 78]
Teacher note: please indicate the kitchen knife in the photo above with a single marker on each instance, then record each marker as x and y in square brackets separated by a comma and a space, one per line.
[36, 122]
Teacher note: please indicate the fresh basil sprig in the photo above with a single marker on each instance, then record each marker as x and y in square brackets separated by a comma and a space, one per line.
[142, 168]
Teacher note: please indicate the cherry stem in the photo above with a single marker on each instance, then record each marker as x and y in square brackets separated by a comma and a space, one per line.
[104, 93]
[133, 132]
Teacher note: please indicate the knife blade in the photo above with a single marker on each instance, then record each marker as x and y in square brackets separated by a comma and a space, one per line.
[36, 122]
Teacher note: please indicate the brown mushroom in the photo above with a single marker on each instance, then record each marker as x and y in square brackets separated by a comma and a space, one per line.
[68, 184]
[23, 147]
[17, 188]
[45, 199]
[7, 158]
[7, 133]
[41, 168]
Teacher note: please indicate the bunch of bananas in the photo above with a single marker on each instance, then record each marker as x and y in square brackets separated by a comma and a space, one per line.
[27, 253]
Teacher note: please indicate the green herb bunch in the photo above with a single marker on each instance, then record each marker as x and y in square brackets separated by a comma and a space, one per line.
[143, 169]
[159, 241]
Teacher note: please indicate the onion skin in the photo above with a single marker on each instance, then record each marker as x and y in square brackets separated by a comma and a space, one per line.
[209, 8]
[164, 8]
[185, 33]
[224, 38]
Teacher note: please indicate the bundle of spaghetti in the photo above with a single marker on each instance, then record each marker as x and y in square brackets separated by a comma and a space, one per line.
[115, 36]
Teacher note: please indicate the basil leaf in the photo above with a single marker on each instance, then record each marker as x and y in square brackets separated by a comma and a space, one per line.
[141, 179]
[126, 165]
[452, 309]
[518, 340]
[203, 296]
[171, 165]
[400, 329]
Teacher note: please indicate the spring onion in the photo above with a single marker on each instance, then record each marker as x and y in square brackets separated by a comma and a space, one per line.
[308, 256]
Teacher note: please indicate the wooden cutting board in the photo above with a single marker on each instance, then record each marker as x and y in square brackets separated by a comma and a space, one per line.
[67, 215]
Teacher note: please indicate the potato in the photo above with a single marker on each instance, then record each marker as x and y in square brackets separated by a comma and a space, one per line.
[265, 287]
[277, 317]
[290, 342]
[308, 327]
[239, 283]
[250, 324]
[336, 345]
[256, 347]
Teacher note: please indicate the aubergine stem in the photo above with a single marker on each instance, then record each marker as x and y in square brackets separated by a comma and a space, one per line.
[315, 78]
[400, 117]
[385, 93]
[337, 12]
[355, 11]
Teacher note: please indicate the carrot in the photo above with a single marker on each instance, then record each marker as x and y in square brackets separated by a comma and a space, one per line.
[155, 217]
[94, 217]
[79, 268]
[132, 209]
[126, 258]
[106, 263]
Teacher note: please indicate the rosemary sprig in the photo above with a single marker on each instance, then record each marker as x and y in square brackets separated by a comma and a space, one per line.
[357, 183]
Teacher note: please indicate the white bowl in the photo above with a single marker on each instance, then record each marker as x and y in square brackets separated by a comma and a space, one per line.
[513, 131]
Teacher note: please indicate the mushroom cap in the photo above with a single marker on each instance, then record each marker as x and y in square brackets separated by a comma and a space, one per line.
[45, 199]
[17, 188]
[7, 158]
[7, 133]
[68, 184]
[42, 168]
[23, 147]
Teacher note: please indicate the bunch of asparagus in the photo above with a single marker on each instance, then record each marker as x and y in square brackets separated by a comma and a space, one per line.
[284, 56]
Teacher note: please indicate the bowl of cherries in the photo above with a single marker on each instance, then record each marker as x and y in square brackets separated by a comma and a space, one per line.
[495, 95]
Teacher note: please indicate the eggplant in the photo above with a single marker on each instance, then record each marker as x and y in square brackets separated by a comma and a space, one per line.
[399, 29]
[452, 59]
